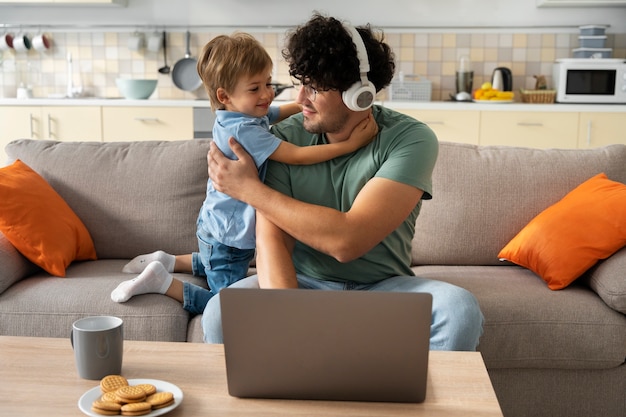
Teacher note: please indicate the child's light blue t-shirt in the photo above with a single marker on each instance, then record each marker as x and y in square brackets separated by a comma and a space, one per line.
[227, 220]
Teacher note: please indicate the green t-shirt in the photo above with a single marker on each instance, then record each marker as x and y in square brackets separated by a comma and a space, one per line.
[405, 150]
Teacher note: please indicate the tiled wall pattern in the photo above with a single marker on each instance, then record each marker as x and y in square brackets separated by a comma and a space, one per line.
[100, 57]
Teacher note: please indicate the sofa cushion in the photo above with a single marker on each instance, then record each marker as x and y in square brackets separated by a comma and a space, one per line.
[569, 237]
[608, 280]
[39, 223]
[133, 197]
[483, 196]
[529, 326]
[45, 306]
[14, 265]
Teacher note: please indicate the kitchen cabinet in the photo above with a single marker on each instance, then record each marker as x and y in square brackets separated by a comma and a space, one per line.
[450, 125]
[67, 2]
[55, 123]
[580, 3]
[600, 129]
[72, 123]
[147, 123]
[529, 129]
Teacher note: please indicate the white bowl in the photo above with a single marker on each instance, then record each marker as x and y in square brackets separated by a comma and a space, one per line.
[136, 89]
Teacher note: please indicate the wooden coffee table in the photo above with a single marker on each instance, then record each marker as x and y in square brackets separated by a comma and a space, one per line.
[38, 378]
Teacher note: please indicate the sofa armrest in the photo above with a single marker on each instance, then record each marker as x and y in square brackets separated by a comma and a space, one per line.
[608, 279]
[13, 266]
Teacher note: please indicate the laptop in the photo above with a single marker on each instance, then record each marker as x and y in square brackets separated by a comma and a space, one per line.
[326, 345]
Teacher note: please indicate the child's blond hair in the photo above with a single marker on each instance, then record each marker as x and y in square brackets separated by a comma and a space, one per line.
[225, 59]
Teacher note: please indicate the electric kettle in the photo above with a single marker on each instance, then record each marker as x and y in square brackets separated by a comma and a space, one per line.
[502, 79]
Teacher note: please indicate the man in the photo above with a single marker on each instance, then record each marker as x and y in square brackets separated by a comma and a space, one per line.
[345, 224]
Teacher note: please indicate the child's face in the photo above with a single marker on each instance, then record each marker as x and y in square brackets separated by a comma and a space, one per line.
[252, 95]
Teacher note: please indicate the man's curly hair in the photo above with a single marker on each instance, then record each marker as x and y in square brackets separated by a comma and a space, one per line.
[322, 53]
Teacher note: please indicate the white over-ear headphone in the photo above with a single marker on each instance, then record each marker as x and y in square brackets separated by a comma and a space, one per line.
[360, 96]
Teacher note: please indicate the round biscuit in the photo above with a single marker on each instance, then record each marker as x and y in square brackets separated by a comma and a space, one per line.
[104, 412]
[130, 394]
[105, 408]
[156, 407]
[110, 396]
[160, 399]
[112, 382]
[106, 405]
[148, 388]
[136, 409]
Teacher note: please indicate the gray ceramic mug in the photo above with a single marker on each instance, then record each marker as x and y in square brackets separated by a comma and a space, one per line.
[98, 344]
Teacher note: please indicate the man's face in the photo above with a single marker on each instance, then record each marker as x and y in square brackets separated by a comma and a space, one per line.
[323, 111]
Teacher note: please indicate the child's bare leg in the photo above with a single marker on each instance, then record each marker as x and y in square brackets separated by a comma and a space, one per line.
[183, 263]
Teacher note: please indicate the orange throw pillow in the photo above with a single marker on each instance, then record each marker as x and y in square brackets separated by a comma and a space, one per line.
[39, 223]
[570, 236]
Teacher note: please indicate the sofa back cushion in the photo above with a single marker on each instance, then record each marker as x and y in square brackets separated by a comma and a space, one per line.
[133, 197]
[484, 195]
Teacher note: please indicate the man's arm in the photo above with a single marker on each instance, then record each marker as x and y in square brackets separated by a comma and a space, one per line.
[380, 208]
[273, 258]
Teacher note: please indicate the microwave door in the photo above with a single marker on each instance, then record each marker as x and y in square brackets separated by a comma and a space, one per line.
[591, 82]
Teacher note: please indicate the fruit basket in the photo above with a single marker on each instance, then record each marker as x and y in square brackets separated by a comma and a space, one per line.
[538, 96]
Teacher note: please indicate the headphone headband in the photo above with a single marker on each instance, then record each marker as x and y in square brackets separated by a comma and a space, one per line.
[360, 96]
[361, 52]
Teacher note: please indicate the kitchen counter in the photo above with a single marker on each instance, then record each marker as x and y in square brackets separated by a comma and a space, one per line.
[104, 102]
[496, 106]
[413, 105]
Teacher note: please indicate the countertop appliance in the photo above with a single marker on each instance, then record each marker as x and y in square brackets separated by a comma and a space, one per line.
[502, 79]
[587, 80]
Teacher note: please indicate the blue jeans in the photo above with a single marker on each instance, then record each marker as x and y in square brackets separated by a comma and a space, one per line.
[222, 265]
[457, 321]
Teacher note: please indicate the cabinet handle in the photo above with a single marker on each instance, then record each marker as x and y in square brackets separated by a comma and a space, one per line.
[50, 133]
[589, 132]
[530, 124]
[32, 132]
[147, 119]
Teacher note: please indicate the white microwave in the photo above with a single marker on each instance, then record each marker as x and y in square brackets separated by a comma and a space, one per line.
[589, 80]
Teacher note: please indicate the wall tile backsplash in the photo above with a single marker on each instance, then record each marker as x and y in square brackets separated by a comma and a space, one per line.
[100, 57]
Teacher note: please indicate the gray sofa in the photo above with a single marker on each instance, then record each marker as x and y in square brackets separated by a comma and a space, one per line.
[548, 353]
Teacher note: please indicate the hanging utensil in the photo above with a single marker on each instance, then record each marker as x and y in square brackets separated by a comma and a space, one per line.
[185, 74]
[165, 69]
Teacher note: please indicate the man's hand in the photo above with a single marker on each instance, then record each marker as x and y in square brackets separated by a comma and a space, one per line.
[232, 176]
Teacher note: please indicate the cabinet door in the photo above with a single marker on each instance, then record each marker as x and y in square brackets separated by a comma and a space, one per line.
[18, 123]
[600, 129]
[72, 123]
[529, 129]
[449, 125]
[147, 123]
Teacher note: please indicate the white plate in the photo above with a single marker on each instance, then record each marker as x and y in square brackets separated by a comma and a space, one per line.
[493, 101]
[84, 403]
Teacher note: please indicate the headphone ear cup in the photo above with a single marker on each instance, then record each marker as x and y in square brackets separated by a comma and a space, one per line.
[359, 96]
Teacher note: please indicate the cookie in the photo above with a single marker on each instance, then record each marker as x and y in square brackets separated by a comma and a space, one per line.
[136, 409]
[112, 383]
[130, 394]
[160, 400]
[148, 388]
[111, 397]
[106, 408]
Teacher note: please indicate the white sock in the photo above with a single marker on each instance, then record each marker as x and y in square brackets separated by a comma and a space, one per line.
[139, 263]
[154, 279]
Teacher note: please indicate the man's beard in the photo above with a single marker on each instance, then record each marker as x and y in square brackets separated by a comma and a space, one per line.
[332, 123]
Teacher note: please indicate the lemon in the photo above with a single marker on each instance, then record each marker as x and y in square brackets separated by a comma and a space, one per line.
[486, 86]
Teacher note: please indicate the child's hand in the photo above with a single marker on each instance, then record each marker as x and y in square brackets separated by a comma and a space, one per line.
[364, 132]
